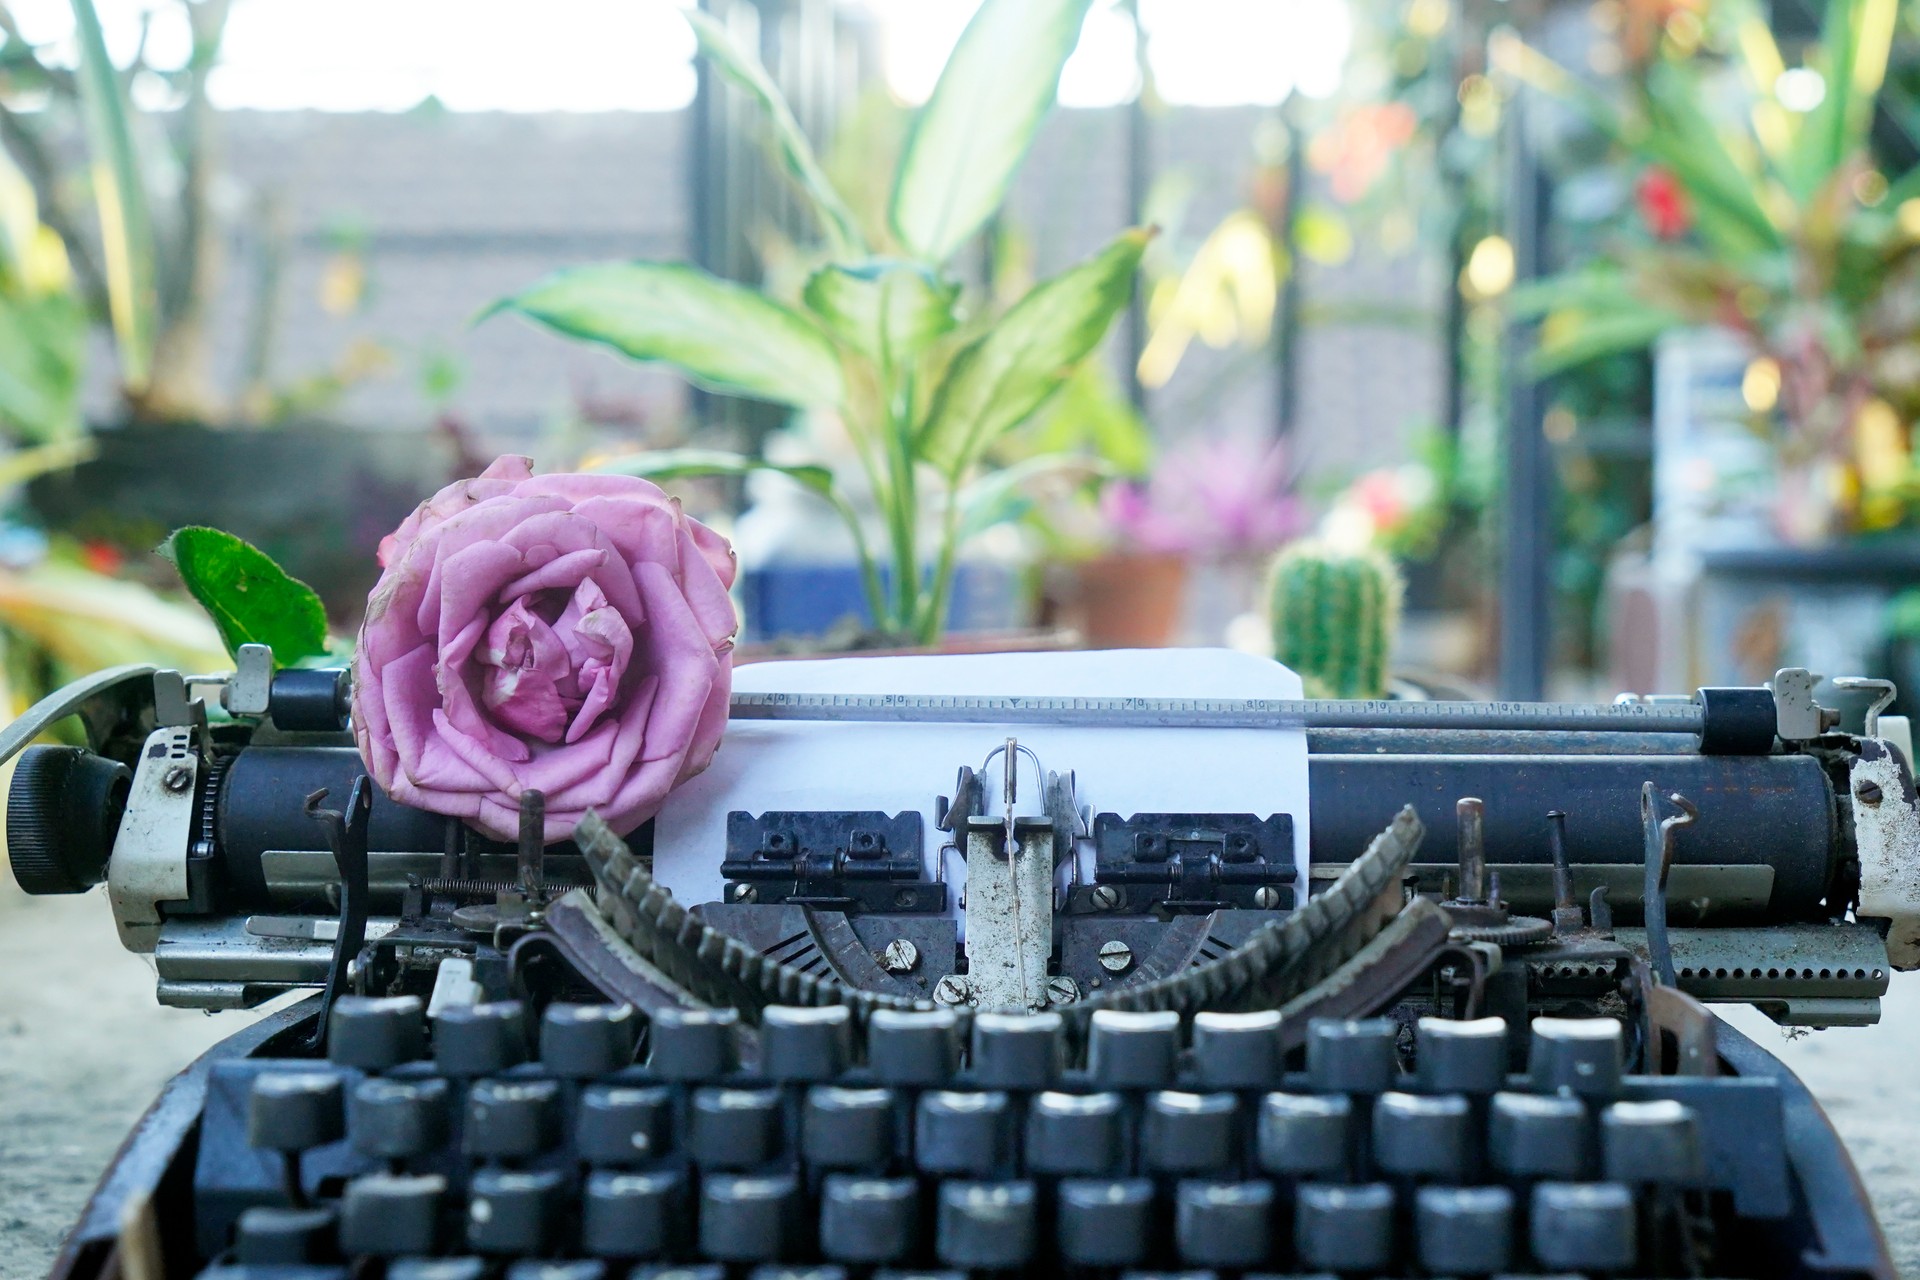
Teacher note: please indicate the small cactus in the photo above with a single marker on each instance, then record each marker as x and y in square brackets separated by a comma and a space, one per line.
[1334, 615]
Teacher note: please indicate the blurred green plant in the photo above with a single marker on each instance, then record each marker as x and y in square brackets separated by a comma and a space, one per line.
[137, 201]
[878, 333]
[1761, 211]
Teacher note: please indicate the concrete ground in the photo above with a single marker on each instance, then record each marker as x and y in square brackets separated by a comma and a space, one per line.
[83, 1049]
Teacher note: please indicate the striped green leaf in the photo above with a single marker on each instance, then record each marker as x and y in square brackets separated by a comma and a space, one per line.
[1014, 368]
[723, 336]
[976, 128]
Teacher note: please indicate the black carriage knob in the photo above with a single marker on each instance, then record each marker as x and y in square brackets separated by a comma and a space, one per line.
[63, 811]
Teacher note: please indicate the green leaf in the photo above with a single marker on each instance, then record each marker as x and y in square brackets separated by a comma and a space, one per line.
[790, 145]
[661, 465]
[995, 497]
[250, 598]
[1855, 39]
[120, 195]
[887, 310]
[1592, 337]
[976, 128]
[723, 336]
[1007, 373]
[1093, 413]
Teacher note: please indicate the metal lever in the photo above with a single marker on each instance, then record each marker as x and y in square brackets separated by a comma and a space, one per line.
[1660, 829]
[1884, 692]
[347, 838]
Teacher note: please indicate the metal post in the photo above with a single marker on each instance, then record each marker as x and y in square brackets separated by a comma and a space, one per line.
[1286, 329]
[1526, 507]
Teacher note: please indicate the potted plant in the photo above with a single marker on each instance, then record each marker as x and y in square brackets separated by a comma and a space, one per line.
[879, 335]
[144, 232]
[1762, 214]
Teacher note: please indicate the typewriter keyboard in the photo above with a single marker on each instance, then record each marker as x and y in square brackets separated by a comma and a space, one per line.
[599, 1145]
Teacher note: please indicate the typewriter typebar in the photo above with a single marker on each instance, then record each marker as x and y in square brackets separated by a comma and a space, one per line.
[1443, 1009]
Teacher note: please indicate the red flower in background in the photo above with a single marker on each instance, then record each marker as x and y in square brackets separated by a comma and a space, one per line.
[1664, 205]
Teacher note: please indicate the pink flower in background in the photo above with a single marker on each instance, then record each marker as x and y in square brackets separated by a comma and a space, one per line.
[565, 633]
[1210, 497]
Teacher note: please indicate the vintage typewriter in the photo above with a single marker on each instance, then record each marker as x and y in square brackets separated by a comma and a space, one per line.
[1408, 989]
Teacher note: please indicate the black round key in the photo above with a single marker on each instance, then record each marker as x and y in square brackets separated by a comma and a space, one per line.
[1581, 1056]
[1017, 1050]
[513, 1212]
[1529, 1136]
[692, 1044]
[1074, 1133]
[629, 1215]
[1344, 1228]
[747, 1219]
[773, 1271]
[375, 1033]
[512, 1119]
[1104, 1222]
[1190, 1132]
[270, 1235]
[1655, 1142]
[868, 1220]
[438, 1269]
[847, 1128]
[623, 1124]
[913, 1047]
[1224, 1224]
[986, 1225]
[474, 1040]
[734, 1128]
[392, 1119]
[961, 1133]
[388, 1215]
[1583, 1226]
[543, 1269]
[1464, 1231]
[1462, 1057]
[804, 1043]
[585, 1041]
[294, 1110]
[680, 1271]
[1352, 1057]
[1304, 1135]
[1423, 1135]
[1238, 1050]
[1127, 1050]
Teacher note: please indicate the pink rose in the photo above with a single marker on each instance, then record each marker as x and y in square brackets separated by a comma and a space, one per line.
[565, 633]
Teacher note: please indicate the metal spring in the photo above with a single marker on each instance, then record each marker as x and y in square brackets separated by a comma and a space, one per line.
[487, 888]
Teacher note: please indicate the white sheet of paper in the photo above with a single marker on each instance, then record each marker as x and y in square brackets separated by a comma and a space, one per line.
[791, 765]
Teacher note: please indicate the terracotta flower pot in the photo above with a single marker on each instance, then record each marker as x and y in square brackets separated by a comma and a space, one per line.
[1125, 600]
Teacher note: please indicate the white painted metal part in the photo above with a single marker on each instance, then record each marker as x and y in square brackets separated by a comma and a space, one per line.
[149, 863]
[1886, 827]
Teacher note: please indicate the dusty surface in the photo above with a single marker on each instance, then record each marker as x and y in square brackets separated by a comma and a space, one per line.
[83, 1048]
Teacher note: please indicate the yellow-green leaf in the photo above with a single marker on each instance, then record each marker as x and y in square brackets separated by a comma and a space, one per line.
[887, 310]
[721, 335]
[120, 194]
[976, 128]
[1016, 366]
